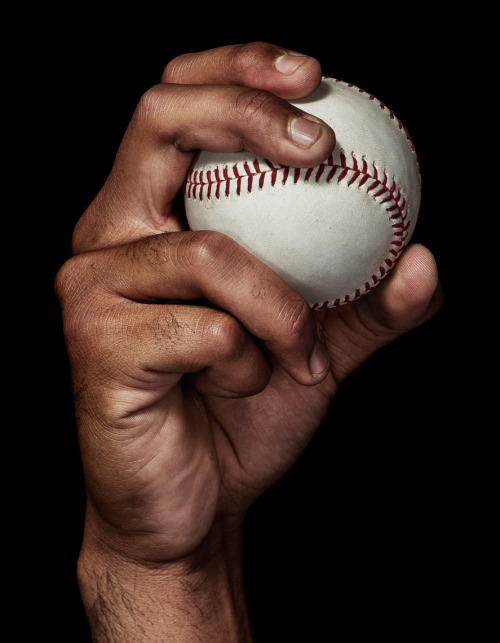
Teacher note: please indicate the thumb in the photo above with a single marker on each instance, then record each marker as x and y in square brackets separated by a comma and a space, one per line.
[407, 298]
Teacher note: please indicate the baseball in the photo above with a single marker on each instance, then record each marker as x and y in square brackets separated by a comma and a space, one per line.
[333, 231]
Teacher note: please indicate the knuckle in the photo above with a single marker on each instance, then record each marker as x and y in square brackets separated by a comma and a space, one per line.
[206, 250]
[150, 107]
[225, 334]
[174, 68]
[247, 56]
[295, 316]
[62, 281]
[256, 105]
[68, 288]
[67, 280]
[80, 298]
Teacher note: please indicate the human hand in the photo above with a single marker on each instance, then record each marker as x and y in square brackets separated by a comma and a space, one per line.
[199, 375]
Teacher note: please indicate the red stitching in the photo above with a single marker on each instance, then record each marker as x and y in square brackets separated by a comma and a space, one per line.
[200, 185]
[382, 106]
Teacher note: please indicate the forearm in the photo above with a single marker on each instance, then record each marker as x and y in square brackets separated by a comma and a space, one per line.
[199, 598]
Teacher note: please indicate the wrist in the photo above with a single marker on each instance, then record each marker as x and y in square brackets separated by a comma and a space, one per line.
[199, 597]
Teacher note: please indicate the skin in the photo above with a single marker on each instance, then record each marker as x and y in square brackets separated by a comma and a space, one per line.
[199, 375]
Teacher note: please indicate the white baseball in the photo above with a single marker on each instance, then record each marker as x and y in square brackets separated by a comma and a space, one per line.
[333, 231]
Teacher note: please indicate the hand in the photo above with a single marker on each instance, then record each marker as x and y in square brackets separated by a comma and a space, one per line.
[199, 375]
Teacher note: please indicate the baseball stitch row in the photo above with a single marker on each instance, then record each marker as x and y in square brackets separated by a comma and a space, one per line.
[218, 183]
[392, 116]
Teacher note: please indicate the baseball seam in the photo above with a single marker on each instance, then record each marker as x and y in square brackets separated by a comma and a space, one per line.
[218, 183]
[392, 116]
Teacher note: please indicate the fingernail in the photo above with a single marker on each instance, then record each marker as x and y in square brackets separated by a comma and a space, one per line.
[289, 63]
[319, 360]
[304, 132]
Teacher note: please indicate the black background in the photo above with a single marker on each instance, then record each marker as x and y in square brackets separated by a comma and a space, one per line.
[376, 529]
